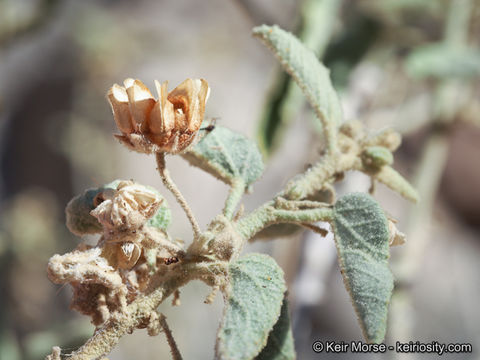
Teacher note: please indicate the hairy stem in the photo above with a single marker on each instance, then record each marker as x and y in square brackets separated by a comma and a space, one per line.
[320, 174]
[107, 336]
[170, 185]
[267, 215]
[171, 341]
[458, 20]
[234, 196]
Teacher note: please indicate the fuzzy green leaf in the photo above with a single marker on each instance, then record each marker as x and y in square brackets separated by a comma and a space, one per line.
[280, 344]
[163, 216]
[228, 156]
[444, 61]
[286, 99]
[362, 239]
[308, 72]
[80, 222]
[253, 306]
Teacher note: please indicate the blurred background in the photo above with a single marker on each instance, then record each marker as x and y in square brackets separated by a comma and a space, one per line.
[408, 64]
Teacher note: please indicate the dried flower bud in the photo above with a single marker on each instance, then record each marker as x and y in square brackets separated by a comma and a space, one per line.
[128, 255]
[387, 138]
[168, 124]
[129, 207]
[376, 156]
[396, 236]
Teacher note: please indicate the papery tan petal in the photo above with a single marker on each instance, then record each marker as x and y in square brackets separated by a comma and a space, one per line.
[118, 99]
[162, 117]
[141, 103]
[396, 236]
[128, 82]
[189, 100]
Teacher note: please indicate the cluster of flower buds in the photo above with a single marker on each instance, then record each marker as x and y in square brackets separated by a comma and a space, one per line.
[168, 124]
[107, 277]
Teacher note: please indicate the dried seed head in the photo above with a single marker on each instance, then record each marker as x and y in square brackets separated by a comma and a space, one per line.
[162, 118]
[168, 124]
[129, 207]
[128, 255]
[177, 117]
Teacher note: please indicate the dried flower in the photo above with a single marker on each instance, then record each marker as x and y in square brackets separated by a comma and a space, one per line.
[168, 124]
[396, 236]
[129, 207]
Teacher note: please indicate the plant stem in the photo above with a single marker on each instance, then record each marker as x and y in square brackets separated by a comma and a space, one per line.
[108, 335]
[170, 185]
[458, 20]
[267, 215]
[322, 172]
[171, 341]
[234, 196]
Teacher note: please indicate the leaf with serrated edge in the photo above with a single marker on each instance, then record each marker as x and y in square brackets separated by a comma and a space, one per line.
[308, 72]
[253, 305]
[228, 156]
[362, 240]
[280, 345]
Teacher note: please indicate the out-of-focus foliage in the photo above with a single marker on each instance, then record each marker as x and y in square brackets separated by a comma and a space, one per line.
[369, 47]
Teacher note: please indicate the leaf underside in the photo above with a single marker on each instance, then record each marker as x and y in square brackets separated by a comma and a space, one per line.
[253, 306]
[228, 156]
[362, 240]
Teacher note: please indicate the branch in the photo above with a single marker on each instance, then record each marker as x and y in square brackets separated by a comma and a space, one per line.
[171, 341]
[234, 196]
[170, 185]
[267, 215]
[319, 175]
[108, 335]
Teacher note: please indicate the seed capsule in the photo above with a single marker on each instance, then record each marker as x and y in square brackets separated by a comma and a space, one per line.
[168, 124]
[128, 255]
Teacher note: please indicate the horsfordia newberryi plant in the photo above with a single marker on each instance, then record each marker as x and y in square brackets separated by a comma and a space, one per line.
[136, 265]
